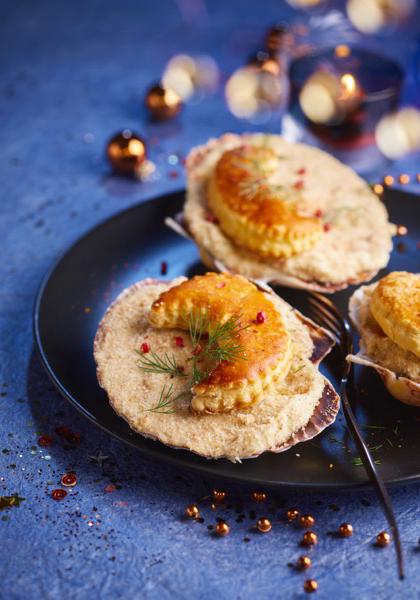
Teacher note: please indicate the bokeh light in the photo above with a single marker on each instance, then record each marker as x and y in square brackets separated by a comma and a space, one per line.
[369, 16]
[398, 134]
[187, 75]
[250, 91]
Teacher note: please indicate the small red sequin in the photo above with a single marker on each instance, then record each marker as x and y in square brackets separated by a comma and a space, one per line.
[211, 218]
[163, 267]
[58, 494]
[318, 213]
[327, 226]
[301, 171]
[298, 185]
[145, 348]
[179, 341]
[261, 317]
[45, 440]
[69, 479]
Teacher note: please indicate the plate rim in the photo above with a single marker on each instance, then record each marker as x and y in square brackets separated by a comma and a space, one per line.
[158, 454]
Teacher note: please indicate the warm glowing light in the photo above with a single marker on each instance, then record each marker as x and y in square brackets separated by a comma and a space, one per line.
[378, 189]
[388, 180]
[404, 178]
[371, 15]
[342, 51]
[348, 84]
[398, 134]
[318, 97]
[187, 75]
[250, 91]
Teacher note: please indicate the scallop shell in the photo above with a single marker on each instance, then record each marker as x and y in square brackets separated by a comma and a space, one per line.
[402, 388]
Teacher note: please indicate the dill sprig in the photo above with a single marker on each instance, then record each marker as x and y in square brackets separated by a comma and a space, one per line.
[165, 404]
[165, 364]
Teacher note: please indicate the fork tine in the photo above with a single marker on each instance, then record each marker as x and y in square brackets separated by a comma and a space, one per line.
[327, 318]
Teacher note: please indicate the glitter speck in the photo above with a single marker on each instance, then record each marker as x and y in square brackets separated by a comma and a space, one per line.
[90, 523]
[173, 159]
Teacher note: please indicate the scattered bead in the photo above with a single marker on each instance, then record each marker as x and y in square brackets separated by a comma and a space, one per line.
[162, 102]
[307, 521]
[264, 525]
[292, 514]
[345, 530]
[145, 348]
[222, 528]
[303, 562]
[219, 495]
[309, 538]
[404, 178]
[402, 230]
[69, 479]
[378, 189]
[192, 511]
[45, 440]
[126, 152]
[258, 496]
[310, 586]
[261, 317]
[179, 341]
[58, 494]
[388, 180]
[383, 539]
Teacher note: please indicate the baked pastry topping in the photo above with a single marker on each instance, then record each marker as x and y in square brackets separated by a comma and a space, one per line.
[255, 209]
[245, 333]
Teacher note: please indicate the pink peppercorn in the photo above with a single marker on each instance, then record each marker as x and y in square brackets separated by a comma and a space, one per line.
[145, 348]
[301, 171]
[327, 226]
[179, 341]
[298, 185]
[261, 317]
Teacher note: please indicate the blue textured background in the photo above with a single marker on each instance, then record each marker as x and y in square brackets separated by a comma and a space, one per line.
[81, 67]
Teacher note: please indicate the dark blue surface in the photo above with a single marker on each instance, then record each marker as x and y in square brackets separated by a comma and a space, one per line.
[76, 68]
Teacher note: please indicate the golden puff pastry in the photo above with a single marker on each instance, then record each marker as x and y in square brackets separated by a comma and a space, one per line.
[261, 334]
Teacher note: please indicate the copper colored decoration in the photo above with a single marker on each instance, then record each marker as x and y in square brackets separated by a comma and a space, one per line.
[69, 479]
[192, 511]
[126, 151]
[162, 102]
[292, 514]
[404, 178]
[58, 494]
[388, 180]
[303, 562]
[378, 189]
[345, 530]
[219, 495]
[307, 521]
[222, 528]
[309, 538]
[258, 496]
[383, 539]
[402, 230]
[264, 525]
[310, 586]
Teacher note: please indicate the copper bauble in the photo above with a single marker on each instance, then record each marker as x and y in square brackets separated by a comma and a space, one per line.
[192, 511]
[388, 180]
[292, 514]
[264, 525]
[307, 521]
[404, 178]
[258, 496]
[222, 528]
[126, 151]
[162, 102]
[310, 586]
[309, 538]
[345, 530]
[383, 539]
[219, 495]
[303, 562]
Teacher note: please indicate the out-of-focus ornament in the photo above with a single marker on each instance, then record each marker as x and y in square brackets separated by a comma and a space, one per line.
[383, 539]
[162, 102]
[292, 514]
[219, 495]
[342, 51]
[187, 75]
[345, 530]
[126, 152]
[404, 178]
[309, 538]
[398, 134]
[310, 586]
[258, 496]
[369, 16]
[192, 511]
[327, 98]
[251, 90]
[307, 521]
[279, 38]
[378, 189]
[303, 562]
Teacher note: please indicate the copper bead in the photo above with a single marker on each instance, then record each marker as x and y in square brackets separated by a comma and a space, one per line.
[162, 102]
[309, 538]
[264, 525]
[388, 180]
[402, 230]
[303, 562]
[310, 586]
[258, 496]
[126, 151]
[378, 189]
[292, 514]
[222, 528]
[383, 539]
[307, 521]
[404, 178]
[192, 511]
[219, 495]
[345, 530]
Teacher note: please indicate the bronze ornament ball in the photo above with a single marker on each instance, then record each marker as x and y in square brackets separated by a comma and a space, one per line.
[126, 151]
[162, 102]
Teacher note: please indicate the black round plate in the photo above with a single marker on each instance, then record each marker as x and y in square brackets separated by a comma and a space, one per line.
[131, 246]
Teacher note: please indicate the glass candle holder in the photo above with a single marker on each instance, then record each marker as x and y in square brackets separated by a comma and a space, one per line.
[337, 97]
